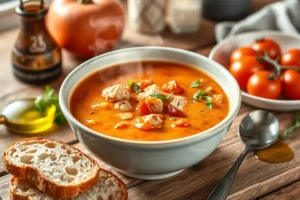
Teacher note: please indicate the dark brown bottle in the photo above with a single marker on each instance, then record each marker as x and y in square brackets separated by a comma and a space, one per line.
[36, 58]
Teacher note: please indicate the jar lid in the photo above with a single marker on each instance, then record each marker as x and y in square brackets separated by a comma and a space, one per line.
[32, 9]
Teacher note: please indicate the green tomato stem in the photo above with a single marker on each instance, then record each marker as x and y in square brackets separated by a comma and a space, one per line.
[277, 67]
[291, 67]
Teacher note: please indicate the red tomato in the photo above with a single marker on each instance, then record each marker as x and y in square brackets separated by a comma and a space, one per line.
[172, 87]
[243, 69]
[290, 84]
[142, 108]
[86, 29]
[291, 58]
[262, 84]
[242, 52]
[173, 111]
[269, 46]
[145, 83]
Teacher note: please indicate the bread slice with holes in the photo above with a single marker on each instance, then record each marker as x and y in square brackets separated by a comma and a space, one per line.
[53, 167]
[109, 187]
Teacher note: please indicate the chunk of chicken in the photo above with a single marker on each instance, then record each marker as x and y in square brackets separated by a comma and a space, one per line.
[172, 87]
[179, 102]
[152, 89]
[123, 105]
[150, 105]
[116, 93]
[148, 122]
[145, 83]
[218, 97]
[154, 104]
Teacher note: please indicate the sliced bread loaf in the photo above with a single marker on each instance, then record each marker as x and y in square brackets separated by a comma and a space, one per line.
[53, 167]
[109, 187]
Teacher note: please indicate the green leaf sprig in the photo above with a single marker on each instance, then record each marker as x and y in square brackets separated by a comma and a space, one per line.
[196, 84]
[289, 131]
[162, 97]
[44, 101]
[204, 95]
[136, 87]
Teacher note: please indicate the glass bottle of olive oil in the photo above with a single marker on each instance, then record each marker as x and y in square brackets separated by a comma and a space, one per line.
[36, 58]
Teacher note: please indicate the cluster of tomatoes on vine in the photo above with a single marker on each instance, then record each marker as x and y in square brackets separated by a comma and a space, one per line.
[262, 70]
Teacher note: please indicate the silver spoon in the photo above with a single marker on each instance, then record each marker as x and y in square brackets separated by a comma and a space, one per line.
[258, 130]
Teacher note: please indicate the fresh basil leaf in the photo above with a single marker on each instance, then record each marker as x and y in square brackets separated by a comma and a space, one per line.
[209, 104]
[207, 98]
[290, 130]
[136, 87]
[198, 95]
[196, 84]
[43, 102]
[159, 96]
[204, 95]
[130, 82]
[169, 96]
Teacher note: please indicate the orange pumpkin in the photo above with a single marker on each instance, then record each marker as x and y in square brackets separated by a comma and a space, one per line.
[86, 27]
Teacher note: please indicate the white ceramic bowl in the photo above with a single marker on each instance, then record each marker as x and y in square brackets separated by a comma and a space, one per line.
[221, 54]
[157, 159]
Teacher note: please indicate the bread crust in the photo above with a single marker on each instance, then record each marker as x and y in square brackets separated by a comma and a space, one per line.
[121, 183]
[14, 195]
[33, 176]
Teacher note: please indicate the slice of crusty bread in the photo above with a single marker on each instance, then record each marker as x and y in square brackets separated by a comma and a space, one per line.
[53, 167]
[109, 187]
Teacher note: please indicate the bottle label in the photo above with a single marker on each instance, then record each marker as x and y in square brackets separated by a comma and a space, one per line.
[39, 76]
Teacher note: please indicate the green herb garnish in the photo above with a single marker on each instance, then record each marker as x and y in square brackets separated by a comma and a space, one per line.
[44, 101]
[136, 87]
[196, 83]
[198, 95]
[208, 102]
[289, 131]
[162, 97]
[203, 95]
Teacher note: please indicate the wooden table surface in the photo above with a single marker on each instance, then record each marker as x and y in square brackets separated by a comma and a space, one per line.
[255, 179]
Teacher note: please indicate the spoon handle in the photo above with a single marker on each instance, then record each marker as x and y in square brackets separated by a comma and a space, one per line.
[221, 191]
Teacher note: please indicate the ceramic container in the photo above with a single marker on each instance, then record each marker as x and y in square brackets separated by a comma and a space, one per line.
[221, 53]
[155, 159]
[226, 10]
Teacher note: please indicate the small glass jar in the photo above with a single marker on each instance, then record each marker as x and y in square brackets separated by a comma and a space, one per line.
[36, 58]
[184, 15]
[147, 16]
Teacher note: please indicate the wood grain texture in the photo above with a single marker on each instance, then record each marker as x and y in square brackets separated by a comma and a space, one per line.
[290, 192]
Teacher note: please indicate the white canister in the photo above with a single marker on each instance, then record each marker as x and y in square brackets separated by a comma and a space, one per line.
[184, 15]
[147, 15]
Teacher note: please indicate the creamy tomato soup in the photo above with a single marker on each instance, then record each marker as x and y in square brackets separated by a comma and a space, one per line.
[149, 101]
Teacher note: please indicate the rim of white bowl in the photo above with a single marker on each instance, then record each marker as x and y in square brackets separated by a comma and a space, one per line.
[201, 135]
[249, 34]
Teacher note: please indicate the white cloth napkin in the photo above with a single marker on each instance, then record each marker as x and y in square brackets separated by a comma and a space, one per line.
[282, 16]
